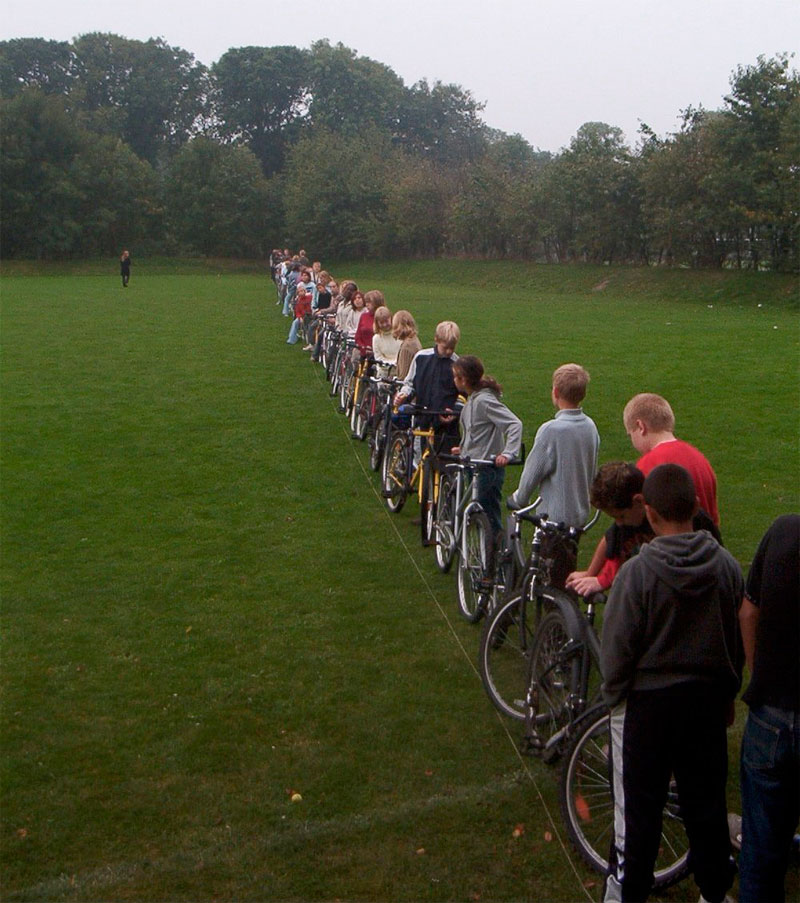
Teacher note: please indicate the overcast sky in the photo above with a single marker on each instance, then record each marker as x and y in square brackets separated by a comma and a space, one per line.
[542, 67]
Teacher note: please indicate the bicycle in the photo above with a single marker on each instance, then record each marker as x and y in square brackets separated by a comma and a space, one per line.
[399, 475]
[359, 384]
[564, 657]
[462, 527]
[376, 411]
[587, 804]
[508, 634]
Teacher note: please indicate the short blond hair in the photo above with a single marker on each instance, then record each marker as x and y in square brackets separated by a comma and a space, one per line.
[448, 333]
[653, 410]
[404, 326]
[570, 381]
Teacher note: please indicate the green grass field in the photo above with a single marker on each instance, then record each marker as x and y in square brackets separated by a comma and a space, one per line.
[205, 605]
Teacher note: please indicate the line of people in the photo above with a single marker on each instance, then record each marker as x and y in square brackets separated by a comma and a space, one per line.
[676, 629]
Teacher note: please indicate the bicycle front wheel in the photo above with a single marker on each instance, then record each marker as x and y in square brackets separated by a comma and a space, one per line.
[553, 680]
[428, 506]
[443, 526]
[360, 416]
[394, 480]
[473, 567]
[377, 441]
[587, 804]
[504, 652]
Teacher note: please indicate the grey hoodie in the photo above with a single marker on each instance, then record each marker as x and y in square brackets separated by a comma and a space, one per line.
[489, 428]
[672, 617]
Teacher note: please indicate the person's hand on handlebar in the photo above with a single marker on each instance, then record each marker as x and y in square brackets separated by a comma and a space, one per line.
[455, 450]
[501, 460]
[583, 584]
[445, 418]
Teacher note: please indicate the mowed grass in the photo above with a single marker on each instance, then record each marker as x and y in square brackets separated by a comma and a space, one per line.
[206, 607]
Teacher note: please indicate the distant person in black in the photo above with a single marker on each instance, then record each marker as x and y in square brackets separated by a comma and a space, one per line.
[125, 267]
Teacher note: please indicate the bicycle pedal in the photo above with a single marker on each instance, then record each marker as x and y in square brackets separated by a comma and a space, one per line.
[531, 746]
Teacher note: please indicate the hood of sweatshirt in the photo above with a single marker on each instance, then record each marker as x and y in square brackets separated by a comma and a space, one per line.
[682, 561]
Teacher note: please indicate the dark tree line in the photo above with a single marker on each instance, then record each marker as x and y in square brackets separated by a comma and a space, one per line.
[109, 142]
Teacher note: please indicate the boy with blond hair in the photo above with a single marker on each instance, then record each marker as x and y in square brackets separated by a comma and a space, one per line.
[650, 424]
[429, 382]
[563, 459]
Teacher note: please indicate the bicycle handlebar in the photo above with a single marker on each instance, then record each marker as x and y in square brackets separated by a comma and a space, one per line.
[418, 409]
[543, 522]
[466, 461]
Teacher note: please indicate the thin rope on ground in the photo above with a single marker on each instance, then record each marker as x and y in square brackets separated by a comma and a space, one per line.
[525, 767]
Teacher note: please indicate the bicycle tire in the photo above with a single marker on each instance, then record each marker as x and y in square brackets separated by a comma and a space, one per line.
[587, 804]
[394, 480]
[346, 388]
[473, 567]
[553, 679]
[503, 655]
[360, 417]
[427, 508]
[377, 441]
[444, 537]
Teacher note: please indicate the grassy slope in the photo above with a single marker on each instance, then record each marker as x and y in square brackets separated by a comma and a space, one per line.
[205, 606]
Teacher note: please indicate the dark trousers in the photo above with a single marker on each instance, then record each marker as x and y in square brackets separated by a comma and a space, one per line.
[678, 731]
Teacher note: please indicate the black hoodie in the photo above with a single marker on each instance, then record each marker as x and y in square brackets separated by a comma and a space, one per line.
[672, 617]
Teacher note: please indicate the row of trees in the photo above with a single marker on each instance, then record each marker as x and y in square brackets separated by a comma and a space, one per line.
[109, 142]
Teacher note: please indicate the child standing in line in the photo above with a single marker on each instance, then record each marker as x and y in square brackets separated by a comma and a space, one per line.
[563, 459]
[489, 430]
[617, 491]
[404, 328]
[649, 423]
[671, 660]
[384, 345]
[302, 309]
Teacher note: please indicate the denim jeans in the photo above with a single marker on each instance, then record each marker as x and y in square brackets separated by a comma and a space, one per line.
[770, 777]
[490, 492]
[294, 332]
[288, 300]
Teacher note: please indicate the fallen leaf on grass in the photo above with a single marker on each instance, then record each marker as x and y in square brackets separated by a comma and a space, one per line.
[518, 831]
[548, 836]
[421, 851]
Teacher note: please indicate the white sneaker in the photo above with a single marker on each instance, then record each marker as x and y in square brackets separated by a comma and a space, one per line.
[728, 899]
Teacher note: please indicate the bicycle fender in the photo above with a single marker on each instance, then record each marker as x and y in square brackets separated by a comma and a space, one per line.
[576, 624]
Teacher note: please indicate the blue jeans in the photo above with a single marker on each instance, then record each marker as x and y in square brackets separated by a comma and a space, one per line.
[294, 332]
[770, 777]
[490, 492]
[288, 300]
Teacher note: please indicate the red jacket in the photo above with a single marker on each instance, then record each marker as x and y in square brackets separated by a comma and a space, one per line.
[303, 307]
[365, 330]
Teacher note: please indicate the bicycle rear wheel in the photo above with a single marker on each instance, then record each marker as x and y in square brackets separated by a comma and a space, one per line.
[394, 480]
[504, 652]
[473, 567]
[377, 442]
[553, 680]
[587, 804]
